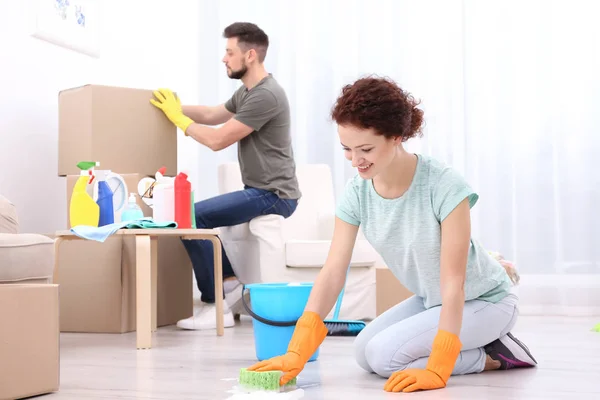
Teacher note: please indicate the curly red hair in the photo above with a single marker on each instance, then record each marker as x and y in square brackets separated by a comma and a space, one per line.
[379, 103]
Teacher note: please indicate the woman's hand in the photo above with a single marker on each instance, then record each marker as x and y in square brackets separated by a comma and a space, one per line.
[310, 330]
[445, 351]
[410, 380]
[308, 335]
[290, 364]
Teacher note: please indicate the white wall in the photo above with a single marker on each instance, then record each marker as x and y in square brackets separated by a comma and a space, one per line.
[144, 45]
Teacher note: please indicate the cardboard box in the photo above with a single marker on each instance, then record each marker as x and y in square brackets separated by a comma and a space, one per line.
[116, 126]
[389, 290]
[97, 284]
[97, 280]
[29, 340]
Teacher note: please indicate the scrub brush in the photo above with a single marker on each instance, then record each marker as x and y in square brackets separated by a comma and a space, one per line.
[265, 381]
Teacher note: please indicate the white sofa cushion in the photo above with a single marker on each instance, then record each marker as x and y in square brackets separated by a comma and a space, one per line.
[313, 253]
[25, 256]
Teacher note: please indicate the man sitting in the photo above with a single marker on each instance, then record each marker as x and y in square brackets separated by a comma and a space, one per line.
[257, 117]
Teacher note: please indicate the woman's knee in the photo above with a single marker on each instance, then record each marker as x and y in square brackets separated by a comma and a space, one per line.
[360, 344]
[379, 356]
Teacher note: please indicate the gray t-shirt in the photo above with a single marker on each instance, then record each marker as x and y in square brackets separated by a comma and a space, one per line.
[266, 157]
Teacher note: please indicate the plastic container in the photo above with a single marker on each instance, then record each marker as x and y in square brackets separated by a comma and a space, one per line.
[163, 198]
[119, 189]
[83, 210]
[183, 199]
[163, 207]
[105, 200]
[276, 303]
[132, 211]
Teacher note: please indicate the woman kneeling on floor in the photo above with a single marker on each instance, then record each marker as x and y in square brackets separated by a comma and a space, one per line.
[415, 212]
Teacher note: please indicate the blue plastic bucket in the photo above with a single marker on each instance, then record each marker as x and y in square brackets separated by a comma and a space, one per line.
[275, 309]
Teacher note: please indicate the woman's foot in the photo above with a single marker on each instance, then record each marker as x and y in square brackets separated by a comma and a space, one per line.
[491, 364]
[510, 353]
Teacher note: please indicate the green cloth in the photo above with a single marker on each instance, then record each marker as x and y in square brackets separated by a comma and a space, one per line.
[150, 224]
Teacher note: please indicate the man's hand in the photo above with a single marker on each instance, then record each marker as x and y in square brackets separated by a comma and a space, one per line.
[171, 106]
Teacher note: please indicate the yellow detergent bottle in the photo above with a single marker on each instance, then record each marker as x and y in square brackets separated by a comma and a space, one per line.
[83, 209]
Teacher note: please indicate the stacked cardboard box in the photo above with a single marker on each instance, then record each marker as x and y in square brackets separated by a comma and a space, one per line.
[121, 129]
[389, 290]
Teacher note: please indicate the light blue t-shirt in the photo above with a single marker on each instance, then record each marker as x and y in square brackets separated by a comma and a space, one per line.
[406, 231]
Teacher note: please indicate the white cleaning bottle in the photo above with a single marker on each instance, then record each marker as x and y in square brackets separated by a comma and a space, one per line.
[163, 198]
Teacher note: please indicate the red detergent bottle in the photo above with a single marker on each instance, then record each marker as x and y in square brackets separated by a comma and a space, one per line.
[183, 199]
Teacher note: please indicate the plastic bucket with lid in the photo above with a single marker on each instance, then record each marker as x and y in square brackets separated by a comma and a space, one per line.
[275, 309]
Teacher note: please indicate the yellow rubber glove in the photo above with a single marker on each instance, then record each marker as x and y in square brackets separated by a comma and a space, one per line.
[171, 106]
[308, 335]
[445, 351]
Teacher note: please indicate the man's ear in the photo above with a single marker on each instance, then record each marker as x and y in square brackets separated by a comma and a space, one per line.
[252, 55]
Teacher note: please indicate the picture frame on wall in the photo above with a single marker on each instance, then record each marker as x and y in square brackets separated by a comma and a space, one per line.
[73, 24]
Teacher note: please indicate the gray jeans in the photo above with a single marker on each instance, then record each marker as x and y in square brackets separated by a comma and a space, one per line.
[401, 337]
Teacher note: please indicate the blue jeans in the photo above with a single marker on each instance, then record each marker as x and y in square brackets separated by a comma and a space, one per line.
[227, 210]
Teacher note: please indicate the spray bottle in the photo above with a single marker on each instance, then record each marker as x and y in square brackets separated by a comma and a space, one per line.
[105, 200]
[83, 210]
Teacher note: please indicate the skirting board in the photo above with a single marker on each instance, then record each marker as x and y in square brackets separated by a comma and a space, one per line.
[560, 295]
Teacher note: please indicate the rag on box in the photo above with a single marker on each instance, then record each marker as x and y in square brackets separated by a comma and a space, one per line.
[101, 233]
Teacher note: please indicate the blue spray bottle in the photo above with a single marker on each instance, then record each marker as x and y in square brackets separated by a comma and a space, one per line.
[105, 200]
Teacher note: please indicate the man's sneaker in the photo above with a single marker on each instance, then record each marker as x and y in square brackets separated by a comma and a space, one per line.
[510, 352]
[205, 317]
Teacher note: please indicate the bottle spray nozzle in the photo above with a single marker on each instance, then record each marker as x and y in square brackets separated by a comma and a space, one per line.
[86, 165]
[87, 168]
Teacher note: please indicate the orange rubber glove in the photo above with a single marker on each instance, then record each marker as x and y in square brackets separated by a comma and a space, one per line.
[308, 335]
[445, 351]
[171, 106]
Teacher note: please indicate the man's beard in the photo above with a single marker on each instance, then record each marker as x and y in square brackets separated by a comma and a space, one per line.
[239, 74]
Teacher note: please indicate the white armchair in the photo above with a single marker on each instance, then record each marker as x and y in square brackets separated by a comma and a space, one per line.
[273, 249]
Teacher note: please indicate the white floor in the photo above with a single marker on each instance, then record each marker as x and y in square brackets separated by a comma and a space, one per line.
[199, 365]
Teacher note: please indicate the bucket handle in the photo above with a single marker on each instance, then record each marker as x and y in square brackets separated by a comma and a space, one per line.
[261, 319]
